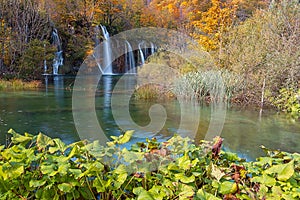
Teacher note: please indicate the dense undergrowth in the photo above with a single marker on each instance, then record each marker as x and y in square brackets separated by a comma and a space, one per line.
[39, 167]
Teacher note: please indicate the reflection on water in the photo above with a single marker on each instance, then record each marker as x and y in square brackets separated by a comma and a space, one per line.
[49, 110]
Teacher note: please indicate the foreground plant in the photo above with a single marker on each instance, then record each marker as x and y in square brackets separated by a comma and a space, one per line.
[39, 167]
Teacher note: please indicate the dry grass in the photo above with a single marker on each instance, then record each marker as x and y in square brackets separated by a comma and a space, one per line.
[17, 84]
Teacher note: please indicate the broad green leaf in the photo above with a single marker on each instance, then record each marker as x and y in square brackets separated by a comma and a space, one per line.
[264, 179]
[43, 141]
[132, 157]
[195, 162]
[283, 171]
[77, 173]
[63, 168]
[36, 183]
[121, 178]
[263, 190]
[184, 179]
[3, 174]
[126, 137]
[202, 195]
[186, 192]
[227, 187]
[184, 162]
[74, 151]
[48, 170]
[99, 184]
[65, 187]
[144, 195]
[173, 167]
[276, 190]
[59, 146]
[265, 160]
[157, 192]
[15, 172]
[121, 173]
[121, 169]
[17, 138]
[92, 168]
[230, 156]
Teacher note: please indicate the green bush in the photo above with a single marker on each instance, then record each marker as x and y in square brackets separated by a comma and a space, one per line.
[288, 100]
[31, 63]
[39, 167]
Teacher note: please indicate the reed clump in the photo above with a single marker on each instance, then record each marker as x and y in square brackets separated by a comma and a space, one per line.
[208, 85]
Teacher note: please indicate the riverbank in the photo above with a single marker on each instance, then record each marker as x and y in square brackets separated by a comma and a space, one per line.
[17, 84]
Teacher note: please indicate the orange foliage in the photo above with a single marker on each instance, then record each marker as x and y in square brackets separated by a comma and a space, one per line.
[165, 13]
[210, 25]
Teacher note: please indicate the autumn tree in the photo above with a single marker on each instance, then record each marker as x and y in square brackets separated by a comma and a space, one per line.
[165, 13]
[266, 48]
[22, 21]
[247, 8]
[210, 25]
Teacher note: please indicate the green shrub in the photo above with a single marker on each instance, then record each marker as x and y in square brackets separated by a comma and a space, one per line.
[288, 100]
[31, 63]
[39, 167]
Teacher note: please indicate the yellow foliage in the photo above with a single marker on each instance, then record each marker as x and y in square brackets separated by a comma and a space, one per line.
[210, 25]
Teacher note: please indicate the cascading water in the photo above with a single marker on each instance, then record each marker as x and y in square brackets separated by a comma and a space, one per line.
[129, 59]
[45, 61]
[141, 54]
[107, 51]
[145, 50]
[152, 48]
[58, 58]
[104, 55]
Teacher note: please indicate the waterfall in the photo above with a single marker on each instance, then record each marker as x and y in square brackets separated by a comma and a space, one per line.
[145, 49]
[45, 61]
[107, 51]
[141, 54]
[45, 66]
[58, 58]
[152, 48]
[129, 59]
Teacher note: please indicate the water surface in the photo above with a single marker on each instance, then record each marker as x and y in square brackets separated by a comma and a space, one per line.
[49, 110]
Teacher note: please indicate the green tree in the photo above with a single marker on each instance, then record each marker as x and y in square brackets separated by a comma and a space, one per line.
[31, 63]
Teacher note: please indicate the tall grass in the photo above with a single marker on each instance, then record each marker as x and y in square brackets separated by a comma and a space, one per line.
[17, 84]
[207, 85]
[146, 92]
[153, 92]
